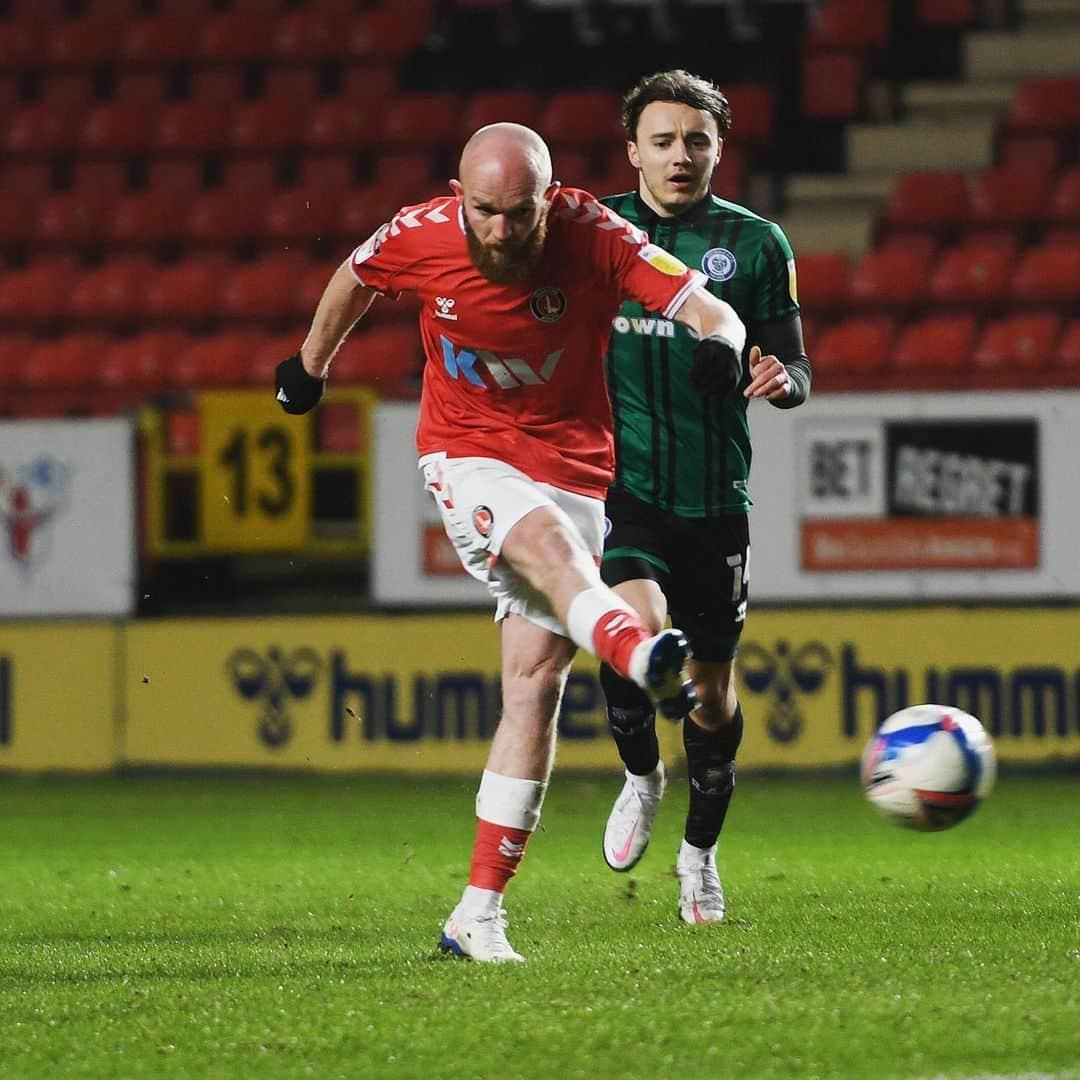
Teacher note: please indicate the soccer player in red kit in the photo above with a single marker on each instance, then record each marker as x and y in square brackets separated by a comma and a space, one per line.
[519, 281]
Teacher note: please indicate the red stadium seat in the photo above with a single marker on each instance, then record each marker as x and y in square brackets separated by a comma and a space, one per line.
[69, 88]
[259, 174]
[101, 179]
[832, 86]
[422, 121]
[371, 81]
[409, 172]
[494, 106]
[234, 37]
[1067, 360]
[221, 84]
[187, 292]
[224, 217]
[150, 218]
[300, 83]
[1047, 105]
[158, 40]
[385, 358]
[971, 275]
[893, 279]
[1022, 150]
[269, 353]
[850, 354]
[15, 351]
[110, 294]
[752, 106]
[945, 14]
[1018, 343]
[192, 127]
[25, 179]
[570, 167]
[83, 42]
[344, 125]
[149, 87]
[68, 363]
[1065, 201]
[267, 125]
[118, 127]
[70, 219]
[309, 35]
[365, 210]
[36, 295]
[44, 128]
[215, 362]
[310, 286]
[328, 173]
[382, 35]
[729, 175]
[858, 26]
[1008, 198]
[22, 42]
[822, 278]
[936, 347]
[18, 219]
[262, 290]
[1048, 276]
[582, 119]
[175, 176]
[298, 214]
[140, 363]
[931, 202]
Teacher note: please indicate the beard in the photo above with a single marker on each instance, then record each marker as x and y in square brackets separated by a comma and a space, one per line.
[507, 265]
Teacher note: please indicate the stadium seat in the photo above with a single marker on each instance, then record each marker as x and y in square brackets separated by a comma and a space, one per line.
[69, 88]
[1021, 150]
[118, 127]
[945, 14]
[730, 174]
[110, 294]
[421, 121]
[893, 279]
[274, 348]
[571, 167]
[409, 172]
[493, 106]
[135, 84]
[18, 217]
[1008, 198]
[234, 37]
[972, 275]
[69, 219]
[369, 81]
[267, 125]
[344, 125]
[66, 363]
[149, 218]
[46, 127]
[932, 351]
[381, 34]
[582, 119]
[1048, 276]
[365, 209]
[309, 35]
[752, 106]
[174, 176]
[215, 362]
[822, 281]
[159, 39]
[262, 291]
[1045, 105]
[297, 215]
[260, 174]
[385, 358]
[832, 86]
[192, 127]
[933, 202]
[310, 285]
[328, 172]
[35, 295]
[1018, 343]
[83, 42]
[141, 363]
[221, 84]
[106, 179]
[1067, 360]
[188, 292]
[856, 26]
[293, 82]
[21, 44]
[851, 354]
[15, 350]
[1065, 201]
[25, 179]
[224, 217]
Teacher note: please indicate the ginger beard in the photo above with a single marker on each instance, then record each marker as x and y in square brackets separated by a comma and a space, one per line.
[511, 262]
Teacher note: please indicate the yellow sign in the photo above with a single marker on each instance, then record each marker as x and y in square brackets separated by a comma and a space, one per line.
[58, 696]
[422, 692]
[255, 476]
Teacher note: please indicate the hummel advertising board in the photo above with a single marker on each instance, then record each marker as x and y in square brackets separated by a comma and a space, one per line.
[67, 518]
[856, 497]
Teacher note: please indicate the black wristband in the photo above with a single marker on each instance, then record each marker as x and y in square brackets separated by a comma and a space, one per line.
[297, 391]
[717, 366]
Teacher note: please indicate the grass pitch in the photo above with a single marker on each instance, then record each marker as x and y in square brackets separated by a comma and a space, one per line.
[281, 927]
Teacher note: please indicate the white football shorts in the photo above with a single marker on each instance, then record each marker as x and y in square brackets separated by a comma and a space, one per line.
[480, 501]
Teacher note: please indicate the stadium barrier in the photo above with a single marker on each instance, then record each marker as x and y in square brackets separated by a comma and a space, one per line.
[421, 693]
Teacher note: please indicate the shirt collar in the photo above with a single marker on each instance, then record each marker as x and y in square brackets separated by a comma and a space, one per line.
[648, 216]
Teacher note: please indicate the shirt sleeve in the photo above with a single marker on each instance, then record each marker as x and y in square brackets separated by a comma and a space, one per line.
[387, 260]
[644, 272]
[776, 292]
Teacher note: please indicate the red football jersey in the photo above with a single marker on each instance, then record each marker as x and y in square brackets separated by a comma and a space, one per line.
[515, 372]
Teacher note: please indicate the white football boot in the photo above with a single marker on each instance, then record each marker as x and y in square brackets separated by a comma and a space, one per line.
[629, 825]
[478, 936]
[658, 666]
[701, 896]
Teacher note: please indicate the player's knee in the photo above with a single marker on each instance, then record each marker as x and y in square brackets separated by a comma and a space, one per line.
[716, 710]
[635, 720]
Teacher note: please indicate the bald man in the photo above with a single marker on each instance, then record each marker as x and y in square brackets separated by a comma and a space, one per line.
[519, 279]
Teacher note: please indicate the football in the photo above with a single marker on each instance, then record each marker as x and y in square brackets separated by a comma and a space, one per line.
[928, 767]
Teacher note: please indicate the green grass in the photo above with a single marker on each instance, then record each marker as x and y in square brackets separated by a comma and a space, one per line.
[263, 926]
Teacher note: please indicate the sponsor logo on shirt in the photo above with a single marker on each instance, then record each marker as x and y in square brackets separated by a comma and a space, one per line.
[508, 372]
[662, 260]
[644, 327]
[444, 308]
[548, 304]
[719, 264]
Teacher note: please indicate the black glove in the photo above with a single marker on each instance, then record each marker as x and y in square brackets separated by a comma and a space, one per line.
[297, 391]
[717, 367]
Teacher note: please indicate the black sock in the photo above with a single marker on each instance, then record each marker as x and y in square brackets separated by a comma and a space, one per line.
[632, 720]
[710, 763]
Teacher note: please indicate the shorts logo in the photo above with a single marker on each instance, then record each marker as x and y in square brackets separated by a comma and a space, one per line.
[548, 304]
[719, 264]
[607, 527]
[483, 520]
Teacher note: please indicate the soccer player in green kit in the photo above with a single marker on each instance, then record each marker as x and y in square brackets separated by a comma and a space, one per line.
[678, 539]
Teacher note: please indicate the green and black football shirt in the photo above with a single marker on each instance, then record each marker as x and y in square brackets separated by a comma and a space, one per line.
[675, 449]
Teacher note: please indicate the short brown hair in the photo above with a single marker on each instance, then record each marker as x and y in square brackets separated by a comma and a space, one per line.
[677, 85]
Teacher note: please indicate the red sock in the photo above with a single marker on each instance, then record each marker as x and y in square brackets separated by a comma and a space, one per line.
[615, 636]
[496, 855]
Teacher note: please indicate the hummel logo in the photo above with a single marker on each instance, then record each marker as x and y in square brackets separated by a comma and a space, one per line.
[509, 850]
[282, 396]
[445, 305]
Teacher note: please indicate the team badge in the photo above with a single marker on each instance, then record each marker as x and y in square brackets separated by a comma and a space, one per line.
[548, 304]
[662, 260]
[719, 264]
[482, 520]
